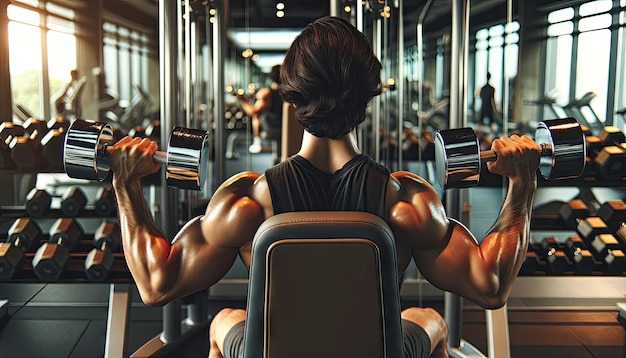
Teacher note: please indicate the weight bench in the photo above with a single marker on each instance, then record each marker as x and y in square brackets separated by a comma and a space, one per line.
[323, 284]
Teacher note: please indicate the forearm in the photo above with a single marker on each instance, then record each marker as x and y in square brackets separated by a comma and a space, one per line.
[504, 246]
[146, 249]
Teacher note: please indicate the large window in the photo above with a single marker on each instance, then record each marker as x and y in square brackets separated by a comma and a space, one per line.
[578, 58]
[126, 52]
[496, 52]
[42, 52]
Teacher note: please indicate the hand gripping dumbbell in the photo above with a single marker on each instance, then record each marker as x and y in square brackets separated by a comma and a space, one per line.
[24, 236]
[100, 259]
[86, 154]
[52, 257]
[458, 157]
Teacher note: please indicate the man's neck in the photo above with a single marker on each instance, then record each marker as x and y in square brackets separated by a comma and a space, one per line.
[326, 154]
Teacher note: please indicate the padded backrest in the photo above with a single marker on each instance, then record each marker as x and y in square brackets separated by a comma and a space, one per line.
[323, 284]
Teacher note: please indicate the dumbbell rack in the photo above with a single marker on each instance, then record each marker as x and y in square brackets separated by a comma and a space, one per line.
[178, 334]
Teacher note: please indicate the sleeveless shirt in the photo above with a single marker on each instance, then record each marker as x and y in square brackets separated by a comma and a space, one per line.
[297, 185]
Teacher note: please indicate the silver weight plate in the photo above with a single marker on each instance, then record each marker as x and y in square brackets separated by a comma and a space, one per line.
[563, 148]
[457, 158]
[84, 151]
[187, 157]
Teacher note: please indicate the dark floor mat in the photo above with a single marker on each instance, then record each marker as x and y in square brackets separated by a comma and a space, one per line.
[40, 338]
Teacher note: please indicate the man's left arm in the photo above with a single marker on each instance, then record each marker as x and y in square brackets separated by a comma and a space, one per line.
[201, 252]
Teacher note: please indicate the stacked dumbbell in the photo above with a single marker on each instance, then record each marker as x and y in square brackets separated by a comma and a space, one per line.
[598, 246]
[51, 258]
[606, 152]
[72, 203]
[100, 259]
[64, 254]
[23, 237]
[601, 235]
[35, 145]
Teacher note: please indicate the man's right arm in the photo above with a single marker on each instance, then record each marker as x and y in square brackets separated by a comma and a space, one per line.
[447, 253]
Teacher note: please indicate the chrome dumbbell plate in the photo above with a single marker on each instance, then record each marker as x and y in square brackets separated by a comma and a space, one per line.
[84, 150]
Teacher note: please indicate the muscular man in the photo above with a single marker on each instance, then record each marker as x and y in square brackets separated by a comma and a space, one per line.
[266, 111]
[329, 75]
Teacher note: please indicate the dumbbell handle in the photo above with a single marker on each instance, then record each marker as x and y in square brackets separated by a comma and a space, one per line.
[159, 156]
[490, 155]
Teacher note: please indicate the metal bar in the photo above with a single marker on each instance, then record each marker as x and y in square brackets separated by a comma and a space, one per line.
[377, 100]
[197, 311]
[172, 316]
[168, 59]
[498, 344]
[458, 97]
[420, 74]
[117, 320]
[400, 81]
[219, 41]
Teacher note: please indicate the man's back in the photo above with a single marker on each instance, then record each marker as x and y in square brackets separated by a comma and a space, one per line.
[297, 185]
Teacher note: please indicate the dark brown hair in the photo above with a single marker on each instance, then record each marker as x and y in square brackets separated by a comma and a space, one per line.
[330, 73]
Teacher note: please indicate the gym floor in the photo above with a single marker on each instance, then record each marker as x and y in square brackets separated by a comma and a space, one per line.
[69, 320]
[62, 320]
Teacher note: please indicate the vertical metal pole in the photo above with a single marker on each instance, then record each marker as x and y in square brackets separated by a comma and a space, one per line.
[209, 95]
[45, 80]
[359, 26]
[185, 63]
[219, 43]
[168, 55]
[400, 82]
[5, 72]
[377, 100]
[497, 321]
[460, 26]
[334, 8]
[117, 320]
[420, 74]
[197, 311]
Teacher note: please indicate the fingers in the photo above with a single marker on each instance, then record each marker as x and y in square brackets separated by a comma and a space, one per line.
[143, 144]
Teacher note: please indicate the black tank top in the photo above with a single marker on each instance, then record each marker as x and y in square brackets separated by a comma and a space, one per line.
[296, 185]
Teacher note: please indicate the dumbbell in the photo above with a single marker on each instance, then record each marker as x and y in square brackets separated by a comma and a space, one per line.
[589, 228]
[51, 258]
[35, 128]
[73, 201]
[572, 211]
[100, 259]
[613, 212]
[34, 146]
[85, 155]
[59, 123]
[458, 157]
[25, 151]
[52, 149]
[37, 203]
[23, 142]
[615, 261]
[554, 255]
[603, 243]
[10, 129]
[577, 253]
[611, 158]
[24, 236]
[532, 263]
[105, 205]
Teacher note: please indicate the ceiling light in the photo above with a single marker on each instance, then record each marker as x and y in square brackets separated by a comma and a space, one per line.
[262, 40]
